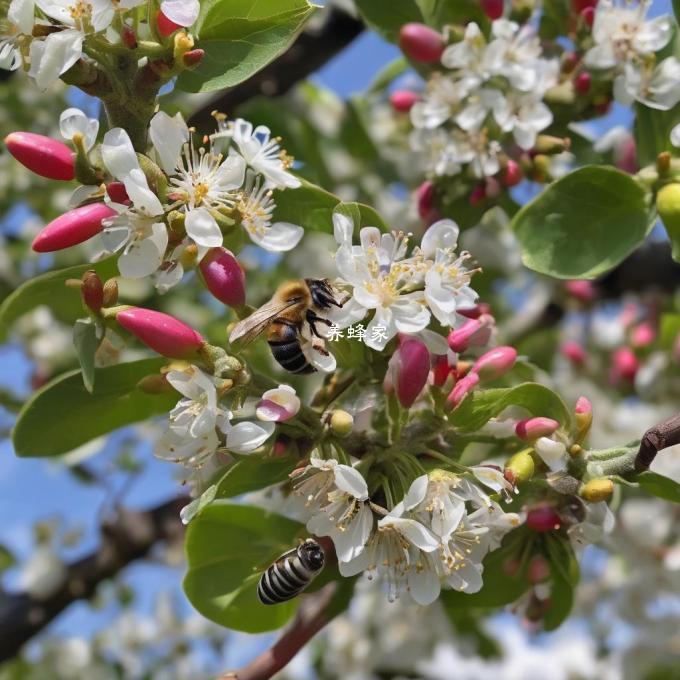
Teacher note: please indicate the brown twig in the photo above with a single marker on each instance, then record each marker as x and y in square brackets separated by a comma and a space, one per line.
[128, 537]
[311, 618]
[312, 49]
[660, 436]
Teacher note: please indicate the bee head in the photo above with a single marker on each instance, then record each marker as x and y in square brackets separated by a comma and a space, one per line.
[311, 555]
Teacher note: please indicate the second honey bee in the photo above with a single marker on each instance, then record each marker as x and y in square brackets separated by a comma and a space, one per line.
[294, 304]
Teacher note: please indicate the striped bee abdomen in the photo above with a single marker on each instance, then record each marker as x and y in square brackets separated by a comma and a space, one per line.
[291, 573]
[284, 341]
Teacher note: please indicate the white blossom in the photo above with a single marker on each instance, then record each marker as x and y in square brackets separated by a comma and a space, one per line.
[74, 122]
[181, 12]
[17, 26]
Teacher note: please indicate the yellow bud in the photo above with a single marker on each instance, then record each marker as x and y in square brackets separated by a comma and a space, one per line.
[520, 467]
[341, 423]
[597, 490]
[668, 205]
[110, 293]
[189, 257]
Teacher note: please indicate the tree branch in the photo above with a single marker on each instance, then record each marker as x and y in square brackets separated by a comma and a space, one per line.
[310, 619]
[313, 48]
[658, 437]
[128, 537]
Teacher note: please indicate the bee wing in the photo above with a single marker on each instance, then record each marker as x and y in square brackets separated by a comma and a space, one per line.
[247, 330]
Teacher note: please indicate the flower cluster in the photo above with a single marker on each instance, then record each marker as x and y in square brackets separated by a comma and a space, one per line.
[491, 93]
[48, 37]
[625, 44]
[437, 535]
[164, 212]
[200, 426]
[404, 292]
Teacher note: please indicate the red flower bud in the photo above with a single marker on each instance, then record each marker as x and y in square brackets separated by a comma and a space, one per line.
[495, 363]
[42, 155]
[588, 16]
[403, 100]
[165, 26]
[476, 311]
[579, 5]
[473, 333]
[193, 57]
[493, 8]
[534, 428]
[461, 389]
[543, 518]
[574, 352]
[441, 371]
[412, 370]
[224, 277]
[582, 82]
[117, 193]
[477, 195]
[421, 43]
[161, 332]
[72, 228]
[511, 175]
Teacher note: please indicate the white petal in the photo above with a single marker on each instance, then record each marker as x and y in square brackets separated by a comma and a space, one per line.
[279, 237]
[424, 585]
[118, 153]
[442, 234]
[414, 531]
[168, 135]
[74, 121]
[675, 136]
[231, 173]
[350, 543]
[246, 437]
[416, 493]
[181, 12]
[142, 197]
[22, 14]
[381, 329]
[553, 454]
[350, 481]
[202, 227]
[343, 228]
[53, 56]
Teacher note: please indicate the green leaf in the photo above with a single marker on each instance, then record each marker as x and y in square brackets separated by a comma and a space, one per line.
[482, 405]
[254, 472]
[309, 206]
[652, 131]
[362, 216]
[63, 415]
[86, 343]
[670, 329]
[659, 485]
[240, 37]
[387, 75]
[49, 289]
[564, 576]
[439, 13]
[228, 547]
[583, 224]
[388, 16]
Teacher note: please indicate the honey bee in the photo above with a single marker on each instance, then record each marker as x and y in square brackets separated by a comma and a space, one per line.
[293, 304]
[291, 573]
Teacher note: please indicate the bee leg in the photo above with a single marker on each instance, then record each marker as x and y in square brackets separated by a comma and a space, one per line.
[312, 319]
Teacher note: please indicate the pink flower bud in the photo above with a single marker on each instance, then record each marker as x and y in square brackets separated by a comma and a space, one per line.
[625, 156]
[511, 175]
[161, 332]
[574, 352]
[461, 389]
[581, 289]
[534, 428]
[473, 333]
[579, 5]
[165, 26]
[193, 58]
[73, 227]
[624, 366]
[42, 155]
[495, 363]
[403, 100]
[421, 43]
[493, 8]
[476, 311]
[582, 82]
[543, 518]
[117, 193]
[538, 569]
[583, 406]
[224, 277]
[643, 335]
[408, 371]
[588, 16]
[583, 415]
